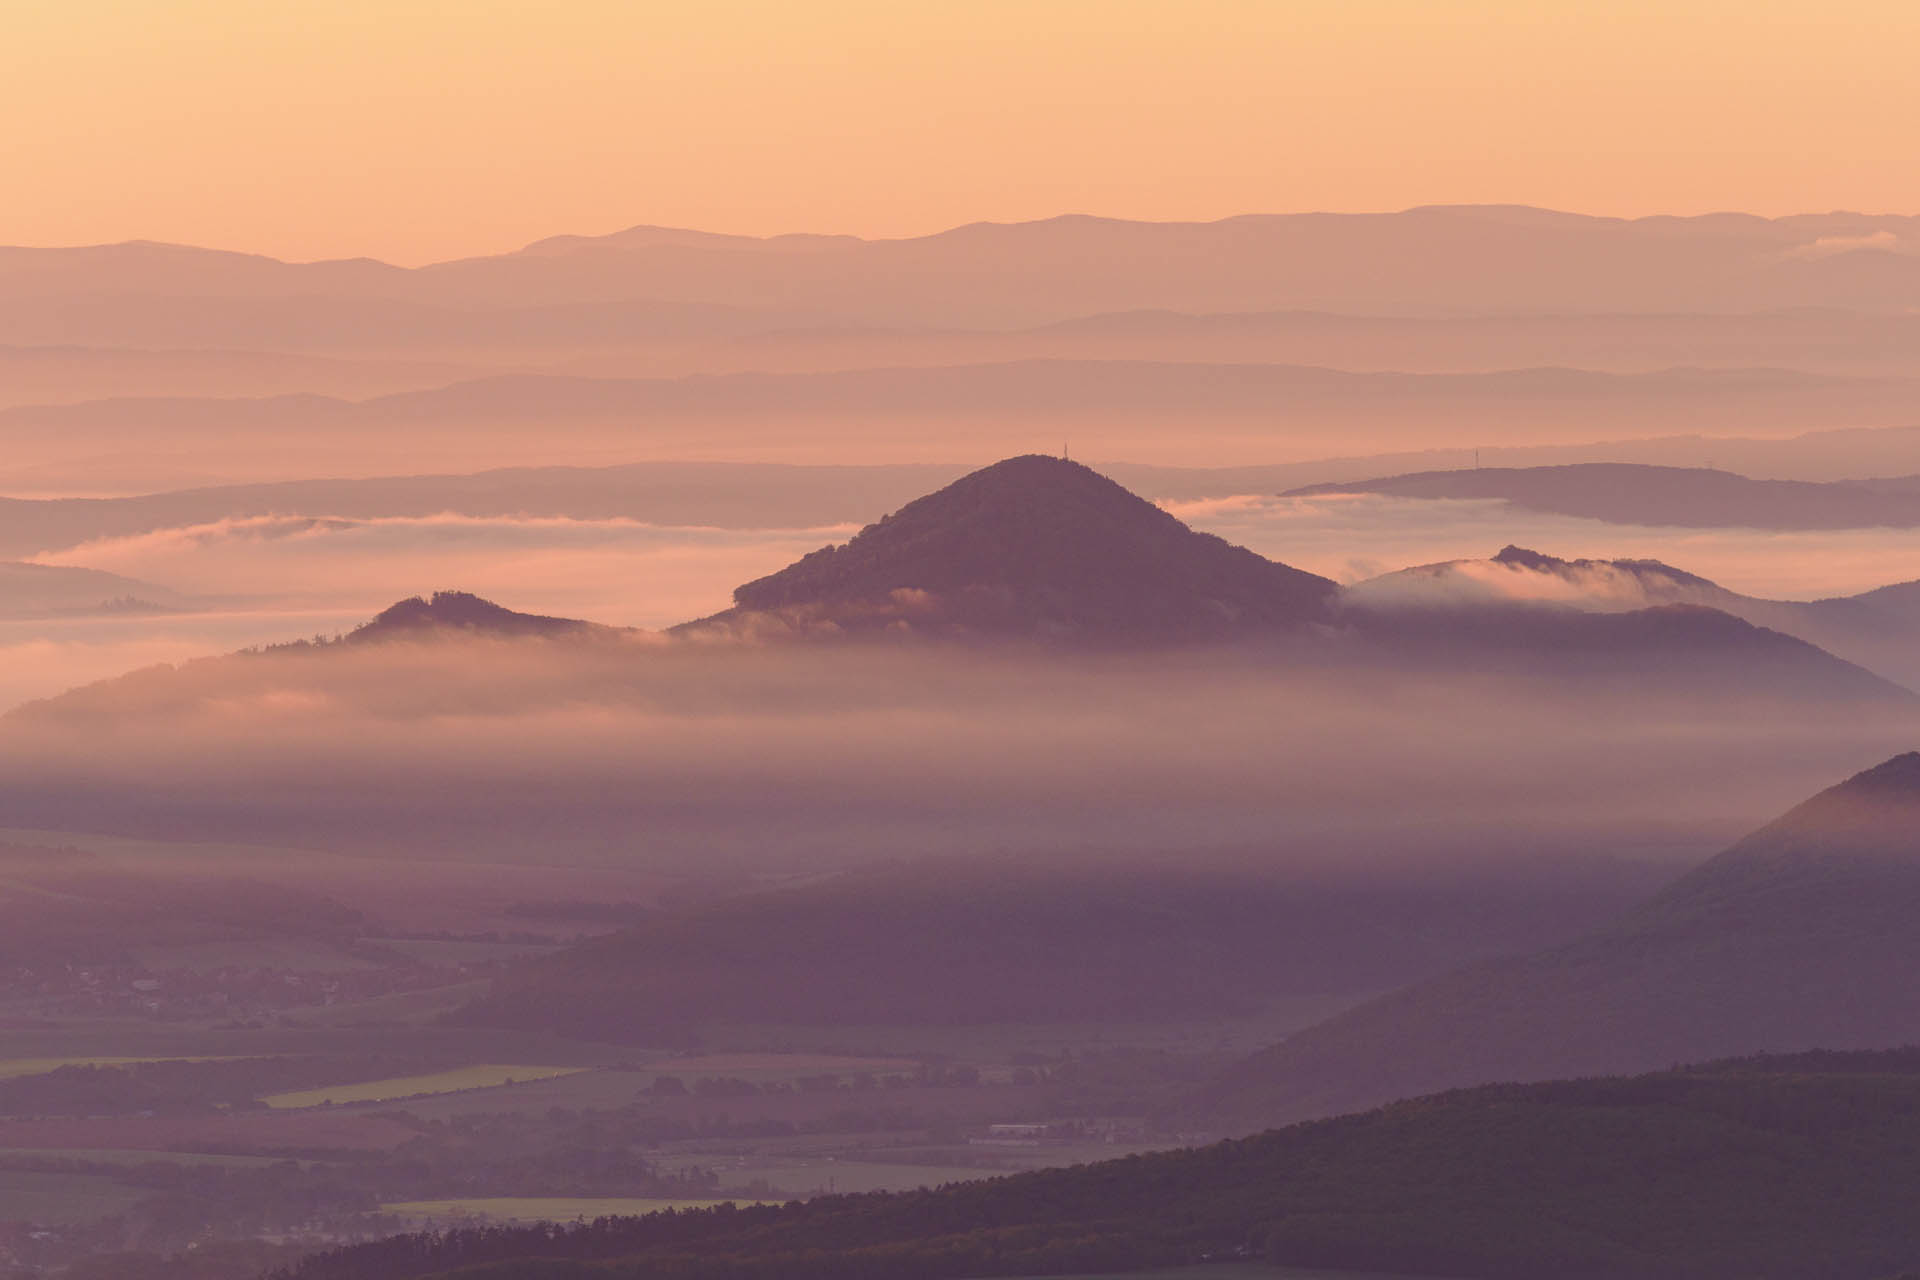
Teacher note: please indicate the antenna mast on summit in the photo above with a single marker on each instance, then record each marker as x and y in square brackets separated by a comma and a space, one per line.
[1063, 452]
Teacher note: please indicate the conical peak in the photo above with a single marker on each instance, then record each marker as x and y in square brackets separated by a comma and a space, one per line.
[1053, 542]
[1029, 487]
[1040, 471]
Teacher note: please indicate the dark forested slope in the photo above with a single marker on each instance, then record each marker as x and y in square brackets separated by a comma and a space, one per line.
[1033, 545]
[460, 612]
[1783, 1169]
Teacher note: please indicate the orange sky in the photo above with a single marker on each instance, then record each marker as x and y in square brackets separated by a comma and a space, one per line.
[421, 129]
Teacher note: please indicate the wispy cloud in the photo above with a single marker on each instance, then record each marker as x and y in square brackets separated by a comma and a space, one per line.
[665, 751]
[1828, 246]
[1349, 537]
[619, 571]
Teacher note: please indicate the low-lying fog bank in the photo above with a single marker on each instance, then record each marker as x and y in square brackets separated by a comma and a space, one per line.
[629, 747]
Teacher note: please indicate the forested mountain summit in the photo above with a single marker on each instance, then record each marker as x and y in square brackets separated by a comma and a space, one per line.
[461, 612]
[1037, 545]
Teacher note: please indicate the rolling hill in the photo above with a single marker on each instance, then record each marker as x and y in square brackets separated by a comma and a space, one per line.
[1798, 937]
[1878, 630]
[1259, 412]
[1679, 497]
[42, 590]
[448, 613]
[1692, 652]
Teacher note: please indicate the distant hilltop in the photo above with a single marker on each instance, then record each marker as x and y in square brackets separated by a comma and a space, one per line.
[1033, 544]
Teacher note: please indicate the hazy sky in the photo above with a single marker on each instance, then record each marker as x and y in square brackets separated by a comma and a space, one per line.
[421, 129]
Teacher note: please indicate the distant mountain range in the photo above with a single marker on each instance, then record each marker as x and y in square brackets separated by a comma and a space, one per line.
[741, 495]
[1798, 937]
[1249, 411]
[711, 494]
[1265, 337]
[64, 374]
[1813, 340]
[1474, 259]
[1048, 549]
[1045, 549]
[41, 591]
[1680, 497]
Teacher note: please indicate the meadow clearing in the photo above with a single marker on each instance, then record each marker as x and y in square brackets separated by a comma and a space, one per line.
[62, 1199]
[457, 1080]
[13, 1068]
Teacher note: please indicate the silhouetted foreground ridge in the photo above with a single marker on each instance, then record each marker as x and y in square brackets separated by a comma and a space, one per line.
[1791, 1168]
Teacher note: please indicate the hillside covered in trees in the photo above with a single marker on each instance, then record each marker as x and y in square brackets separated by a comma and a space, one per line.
[1792, 1168]
[1034, 546]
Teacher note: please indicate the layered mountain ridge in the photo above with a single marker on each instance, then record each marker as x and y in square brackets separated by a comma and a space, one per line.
[1799, 936]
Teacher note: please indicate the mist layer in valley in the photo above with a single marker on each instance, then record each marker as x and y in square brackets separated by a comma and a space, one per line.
[206, 572]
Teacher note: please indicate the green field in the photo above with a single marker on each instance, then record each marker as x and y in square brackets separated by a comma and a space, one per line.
[128, 1039]
[60, 1199]
[483, 1076]
[132, 848]
[578, 1090]
[535, 1209]
[607, 1089]
[11, 1068]
[104, 1155]
[408, 1009]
